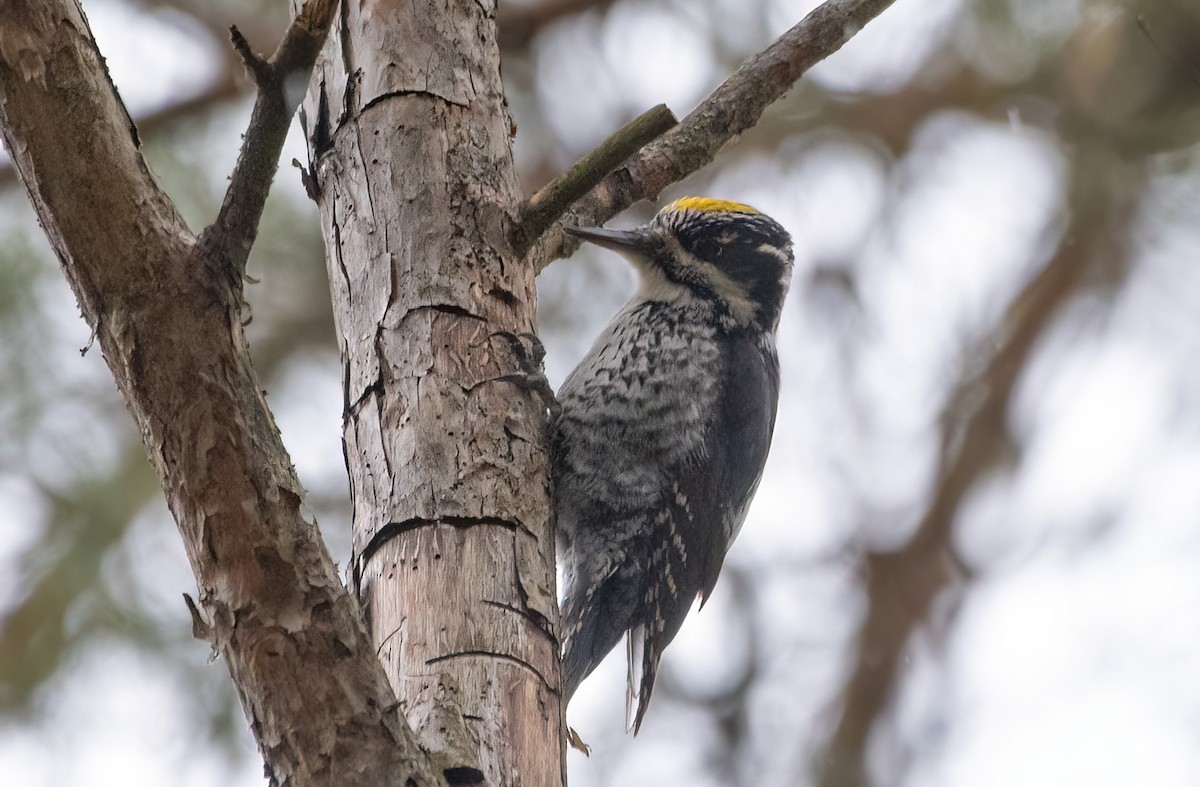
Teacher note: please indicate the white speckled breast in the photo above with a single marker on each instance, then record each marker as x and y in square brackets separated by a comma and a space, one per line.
[637, 402]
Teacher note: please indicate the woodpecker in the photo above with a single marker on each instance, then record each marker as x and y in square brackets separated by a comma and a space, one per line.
[663, 431]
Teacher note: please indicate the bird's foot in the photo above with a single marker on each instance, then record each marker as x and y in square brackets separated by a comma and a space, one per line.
[577, 743]
[532, 376]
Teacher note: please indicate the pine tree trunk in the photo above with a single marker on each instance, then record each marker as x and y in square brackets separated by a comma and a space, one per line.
[166, 314]
[410, 140]
[410, 143]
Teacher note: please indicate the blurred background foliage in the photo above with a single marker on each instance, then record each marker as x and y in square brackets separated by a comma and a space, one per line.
[972, 558]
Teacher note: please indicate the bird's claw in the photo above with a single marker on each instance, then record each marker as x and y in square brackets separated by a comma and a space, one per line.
[530, 359]
[577, 743]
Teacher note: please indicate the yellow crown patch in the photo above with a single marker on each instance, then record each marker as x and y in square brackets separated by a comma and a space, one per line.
[708, 205]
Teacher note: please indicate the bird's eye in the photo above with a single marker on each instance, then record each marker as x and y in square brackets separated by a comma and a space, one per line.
[709, 249]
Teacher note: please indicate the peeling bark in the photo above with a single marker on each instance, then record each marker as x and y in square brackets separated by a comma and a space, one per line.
[453, 549]
[169, 326]
[412, 169]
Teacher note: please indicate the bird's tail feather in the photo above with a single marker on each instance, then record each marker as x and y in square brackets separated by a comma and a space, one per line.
[591, 628]
[642, 655]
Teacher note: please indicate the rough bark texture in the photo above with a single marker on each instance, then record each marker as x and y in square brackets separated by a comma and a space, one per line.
[169, 327]
[411, 146]
[445, 441]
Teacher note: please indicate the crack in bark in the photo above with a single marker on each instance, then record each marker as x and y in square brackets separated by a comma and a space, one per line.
[412, 92]
[533, 616]
[337, 253]
[322, 136]
[487, 654]
[383, 448]
[349, 93]
[394, 529]
[353, 409]
[396, 631]
[447, 308]
[464, 776]
[366, 173]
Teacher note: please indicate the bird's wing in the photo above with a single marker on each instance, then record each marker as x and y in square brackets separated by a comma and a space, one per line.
[704, 508]
[719, 488]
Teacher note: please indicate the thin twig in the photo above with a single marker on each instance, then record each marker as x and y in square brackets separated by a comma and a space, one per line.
[226, 243]
[545, 207]
[733, 107]
[259, 68]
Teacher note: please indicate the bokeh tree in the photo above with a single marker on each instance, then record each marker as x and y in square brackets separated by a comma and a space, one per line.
[970, 559]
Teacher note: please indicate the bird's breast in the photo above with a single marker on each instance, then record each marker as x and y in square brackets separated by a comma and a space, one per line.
[637, 406]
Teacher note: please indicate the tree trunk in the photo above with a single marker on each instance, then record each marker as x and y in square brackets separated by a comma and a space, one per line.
[445, 441]
[410, 140]
[167, 316]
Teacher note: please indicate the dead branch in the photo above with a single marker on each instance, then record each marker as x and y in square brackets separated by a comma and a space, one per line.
[281, 82]
[544, 207]
[733, 107]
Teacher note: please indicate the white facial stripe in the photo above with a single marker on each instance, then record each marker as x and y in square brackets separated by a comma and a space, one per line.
[785, 277]
[741, 308]
[767, 248]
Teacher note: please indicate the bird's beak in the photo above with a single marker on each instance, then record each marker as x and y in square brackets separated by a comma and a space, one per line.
[624, 241]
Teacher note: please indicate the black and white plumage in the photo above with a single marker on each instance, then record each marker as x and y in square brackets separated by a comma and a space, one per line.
[664, 429]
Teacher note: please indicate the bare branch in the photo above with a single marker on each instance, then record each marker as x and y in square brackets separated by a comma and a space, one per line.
[733, 107]
[259, 68]
[281, 83]
[545, 207]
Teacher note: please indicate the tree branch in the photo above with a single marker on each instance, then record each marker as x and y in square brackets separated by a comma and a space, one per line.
[294, 640]
[546, 206]
[733, 107]
[281, 82]
[223, 88]
[445, 448]
[902, 585]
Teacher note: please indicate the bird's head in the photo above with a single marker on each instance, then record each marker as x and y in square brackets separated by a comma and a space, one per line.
[723, 253]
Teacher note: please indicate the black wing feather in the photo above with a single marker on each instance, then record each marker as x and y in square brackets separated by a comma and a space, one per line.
[704, 509]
